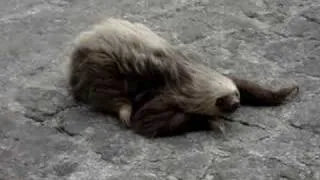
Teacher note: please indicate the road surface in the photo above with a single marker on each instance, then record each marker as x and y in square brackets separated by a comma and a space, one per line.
[45, 135]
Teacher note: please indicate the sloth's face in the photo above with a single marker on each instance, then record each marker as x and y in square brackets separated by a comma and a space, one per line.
[229, 103]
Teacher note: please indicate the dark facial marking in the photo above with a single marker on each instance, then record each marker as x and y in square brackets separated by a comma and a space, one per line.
[228, 103]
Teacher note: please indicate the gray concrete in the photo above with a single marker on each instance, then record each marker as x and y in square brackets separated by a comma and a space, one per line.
[45, 135]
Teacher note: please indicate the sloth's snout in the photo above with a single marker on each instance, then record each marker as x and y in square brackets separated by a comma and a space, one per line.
[228, 103]
[234, 106]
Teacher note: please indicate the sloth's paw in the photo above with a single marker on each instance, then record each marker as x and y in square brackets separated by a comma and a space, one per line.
[125, 114]
[287, 93]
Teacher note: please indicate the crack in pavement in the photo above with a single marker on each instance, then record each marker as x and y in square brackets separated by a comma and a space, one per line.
[285, 177]
[244, 123]
[39, 116]
[62, 130]
[311, 19]
[304, 127]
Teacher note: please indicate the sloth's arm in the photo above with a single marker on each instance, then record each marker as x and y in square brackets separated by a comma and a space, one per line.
[252, 93]
[158, 118]
[108, 96]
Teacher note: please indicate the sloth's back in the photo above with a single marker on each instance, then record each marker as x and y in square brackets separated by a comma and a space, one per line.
[119, 36]
[125, 55]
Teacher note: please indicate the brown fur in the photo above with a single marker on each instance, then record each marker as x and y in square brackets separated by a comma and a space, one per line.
[127, 69]
[254, 94]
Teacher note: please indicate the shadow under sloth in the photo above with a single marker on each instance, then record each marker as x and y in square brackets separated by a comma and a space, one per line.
[155, 90]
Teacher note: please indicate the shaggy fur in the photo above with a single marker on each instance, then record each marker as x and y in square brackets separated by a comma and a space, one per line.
[123, 67]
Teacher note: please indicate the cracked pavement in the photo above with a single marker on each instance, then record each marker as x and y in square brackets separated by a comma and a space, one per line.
[45, 135]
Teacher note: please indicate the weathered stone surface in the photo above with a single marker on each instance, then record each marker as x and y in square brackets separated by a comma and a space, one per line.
[31, 151]
[45, 135]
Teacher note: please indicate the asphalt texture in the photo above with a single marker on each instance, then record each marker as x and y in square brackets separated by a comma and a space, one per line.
[44, 134]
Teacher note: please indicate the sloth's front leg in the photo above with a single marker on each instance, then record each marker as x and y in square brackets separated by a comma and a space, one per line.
[158, 118]
[110, 96]
[218, 125]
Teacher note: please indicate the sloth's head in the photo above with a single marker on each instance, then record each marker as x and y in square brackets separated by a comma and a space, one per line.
[228, 103]
[210, 93]
[227, 95]
[220, 91]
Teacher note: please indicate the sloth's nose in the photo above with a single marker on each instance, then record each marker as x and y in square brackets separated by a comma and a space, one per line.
[235, 106]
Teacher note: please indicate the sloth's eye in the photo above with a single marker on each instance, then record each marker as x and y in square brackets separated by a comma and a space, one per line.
[219, 101]
[237, 94]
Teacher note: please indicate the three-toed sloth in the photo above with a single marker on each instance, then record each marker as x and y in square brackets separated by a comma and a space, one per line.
[155, 89]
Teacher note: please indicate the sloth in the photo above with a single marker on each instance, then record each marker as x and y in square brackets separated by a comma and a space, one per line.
[125, 68]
